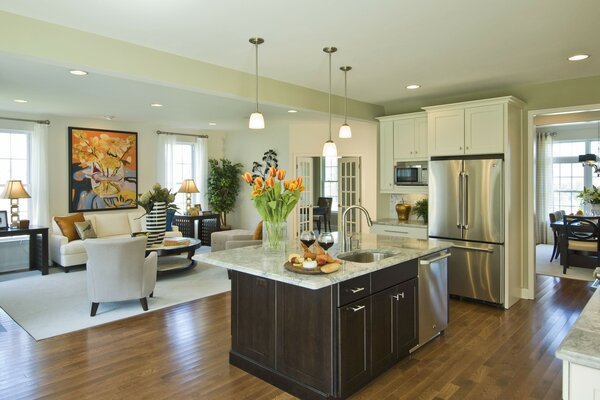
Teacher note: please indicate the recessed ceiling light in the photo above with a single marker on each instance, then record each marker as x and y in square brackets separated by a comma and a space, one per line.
[109, 117]
[20, 101]
[292, 111]
[578, 57]
[78, 72]
[156, 105]
[212, 123]
[413, 86]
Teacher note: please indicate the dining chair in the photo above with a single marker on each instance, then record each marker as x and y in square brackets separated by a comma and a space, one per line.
[555, 216]
[323, 203]
[583, 238]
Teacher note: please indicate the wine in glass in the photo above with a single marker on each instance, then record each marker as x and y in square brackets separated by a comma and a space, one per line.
[308, 238]
[325, 240]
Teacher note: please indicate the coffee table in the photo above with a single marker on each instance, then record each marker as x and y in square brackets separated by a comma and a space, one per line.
[175, 264]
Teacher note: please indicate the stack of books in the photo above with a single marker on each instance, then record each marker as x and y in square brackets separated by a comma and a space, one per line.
[176, 242]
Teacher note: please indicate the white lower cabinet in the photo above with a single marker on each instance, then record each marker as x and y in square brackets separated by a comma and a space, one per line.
[412, 232]
[580, 382]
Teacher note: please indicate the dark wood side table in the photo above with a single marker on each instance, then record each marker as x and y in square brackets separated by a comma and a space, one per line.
[207, 224]
[38, 245]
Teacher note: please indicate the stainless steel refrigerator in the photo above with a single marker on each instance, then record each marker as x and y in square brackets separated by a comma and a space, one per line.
[466, 207]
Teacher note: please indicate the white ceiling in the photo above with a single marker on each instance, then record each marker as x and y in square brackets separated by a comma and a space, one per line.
[448, 47]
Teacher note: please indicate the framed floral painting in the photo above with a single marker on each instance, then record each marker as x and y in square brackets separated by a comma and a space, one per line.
[102, 169]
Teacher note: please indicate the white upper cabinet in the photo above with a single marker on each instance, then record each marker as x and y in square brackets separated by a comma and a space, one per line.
[410, 138]
[475, 127]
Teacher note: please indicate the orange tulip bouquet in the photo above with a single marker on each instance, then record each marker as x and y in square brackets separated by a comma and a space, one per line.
[274, 199]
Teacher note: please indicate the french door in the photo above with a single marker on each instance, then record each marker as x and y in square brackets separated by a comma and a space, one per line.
[304, 217]
[349, 192]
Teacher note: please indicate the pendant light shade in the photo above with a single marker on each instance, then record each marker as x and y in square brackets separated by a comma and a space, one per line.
[329, 149]
[345, 131]
[257, 121]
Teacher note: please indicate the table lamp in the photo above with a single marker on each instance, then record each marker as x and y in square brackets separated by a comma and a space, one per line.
[188, 187]
[14, 191]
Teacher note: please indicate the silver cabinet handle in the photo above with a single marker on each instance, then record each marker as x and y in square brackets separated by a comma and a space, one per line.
[403, 232]
[356, 309]
[432, 260]
[397, 296]
[357, 289]
[485, 250]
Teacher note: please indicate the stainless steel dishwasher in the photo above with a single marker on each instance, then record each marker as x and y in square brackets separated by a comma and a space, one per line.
[433, 296]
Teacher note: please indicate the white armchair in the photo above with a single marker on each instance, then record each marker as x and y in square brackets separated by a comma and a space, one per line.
[118, 270]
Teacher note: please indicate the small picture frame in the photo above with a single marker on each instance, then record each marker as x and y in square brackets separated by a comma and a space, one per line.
[3, 220]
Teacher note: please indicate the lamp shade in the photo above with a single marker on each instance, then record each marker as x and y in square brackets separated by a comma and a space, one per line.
[257, 121]
[345, 132]
[14, 190]
[329, 149]
[588, 158]
[188, 186]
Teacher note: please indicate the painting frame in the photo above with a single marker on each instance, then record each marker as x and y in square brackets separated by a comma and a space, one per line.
[3, 220]
[103, 169]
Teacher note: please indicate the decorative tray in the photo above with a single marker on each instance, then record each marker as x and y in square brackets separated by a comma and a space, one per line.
[308, 271]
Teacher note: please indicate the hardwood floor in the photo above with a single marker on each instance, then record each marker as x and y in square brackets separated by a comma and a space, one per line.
[182, 353]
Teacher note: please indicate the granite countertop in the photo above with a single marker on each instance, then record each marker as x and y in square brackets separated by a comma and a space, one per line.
[252, 260]
[582, 344]
[395, 222]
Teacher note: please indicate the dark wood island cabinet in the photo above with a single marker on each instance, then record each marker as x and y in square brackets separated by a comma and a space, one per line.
[325, 343]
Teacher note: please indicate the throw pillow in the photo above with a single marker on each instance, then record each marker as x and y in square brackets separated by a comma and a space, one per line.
[67, 225]
[85, 230]
[257, 235]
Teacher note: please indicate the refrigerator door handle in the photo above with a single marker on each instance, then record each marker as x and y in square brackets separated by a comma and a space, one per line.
[459, 203]
[482, 249]
[465, 197]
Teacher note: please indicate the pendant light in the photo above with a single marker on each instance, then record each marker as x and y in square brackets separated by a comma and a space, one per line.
[257, 121]
[329, 149]
[345, 131]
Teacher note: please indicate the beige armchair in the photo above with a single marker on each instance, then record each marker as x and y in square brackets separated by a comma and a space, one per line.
[118, 270]
[235, 238]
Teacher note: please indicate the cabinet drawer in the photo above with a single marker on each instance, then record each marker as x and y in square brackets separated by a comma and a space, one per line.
[354, 289]
[387, 277]
[400, 231]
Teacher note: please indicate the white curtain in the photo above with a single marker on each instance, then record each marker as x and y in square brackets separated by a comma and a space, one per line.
[164, 161]
[201, 172]
[544, 194]
[40, 203]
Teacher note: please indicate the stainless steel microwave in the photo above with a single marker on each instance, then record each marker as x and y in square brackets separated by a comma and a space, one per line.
[411, 173]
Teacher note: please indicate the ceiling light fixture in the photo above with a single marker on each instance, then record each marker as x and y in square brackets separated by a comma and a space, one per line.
[20, 101]
[257, 121]
[345, 131]
[413, 86]
[329, 149]
[156, 105]
[109, 117]
[292, 111]
[78, 72]
[212, 123]
[579, 57]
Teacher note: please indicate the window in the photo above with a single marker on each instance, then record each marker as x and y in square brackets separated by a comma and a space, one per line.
[14, 164]
[330, 183]
[569, 176]
[183, 168]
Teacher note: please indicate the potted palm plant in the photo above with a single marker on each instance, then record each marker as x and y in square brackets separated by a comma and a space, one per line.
[421, 208]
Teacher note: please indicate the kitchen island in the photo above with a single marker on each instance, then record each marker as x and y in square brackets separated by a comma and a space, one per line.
[323, 336]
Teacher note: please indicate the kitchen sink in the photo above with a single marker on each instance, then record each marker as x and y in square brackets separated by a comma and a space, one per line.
[366, 256]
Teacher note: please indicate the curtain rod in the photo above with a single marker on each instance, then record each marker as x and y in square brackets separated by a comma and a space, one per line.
[182, 134]
[37, 121]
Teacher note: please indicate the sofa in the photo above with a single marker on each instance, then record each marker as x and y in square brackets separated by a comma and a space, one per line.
[113, 225]
[225, 240]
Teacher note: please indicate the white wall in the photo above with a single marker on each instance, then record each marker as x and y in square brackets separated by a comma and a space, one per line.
[245, 147]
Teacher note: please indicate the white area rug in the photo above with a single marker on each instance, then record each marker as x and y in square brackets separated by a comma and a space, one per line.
[543, 266]
[57, 303]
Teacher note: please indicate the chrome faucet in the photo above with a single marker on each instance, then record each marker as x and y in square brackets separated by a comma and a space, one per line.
[343, 239]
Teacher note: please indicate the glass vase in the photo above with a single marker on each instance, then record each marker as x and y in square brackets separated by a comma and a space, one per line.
[274, 237]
